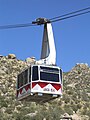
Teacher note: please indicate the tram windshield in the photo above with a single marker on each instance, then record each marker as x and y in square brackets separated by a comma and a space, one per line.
[35, 73]
[49, 74]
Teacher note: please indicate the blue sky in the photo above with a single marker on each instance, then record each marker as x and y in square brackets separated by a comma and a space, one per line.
[72, 36]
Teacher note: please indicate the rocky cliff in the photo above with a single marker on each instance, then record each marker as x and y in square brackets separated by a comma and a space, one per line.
[74, 103]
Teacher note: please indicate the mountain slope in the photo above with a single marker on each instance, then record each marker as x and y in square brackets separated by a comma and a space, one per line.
[75, 101]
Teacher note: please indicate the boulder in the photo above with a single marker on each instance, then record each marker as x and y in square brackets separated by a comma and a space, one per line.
[11, 56]
[30, 60]
[1, 56]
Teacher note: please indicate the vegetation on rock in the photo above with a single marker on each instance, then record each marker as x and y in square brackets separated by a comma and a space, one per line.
[75, 101]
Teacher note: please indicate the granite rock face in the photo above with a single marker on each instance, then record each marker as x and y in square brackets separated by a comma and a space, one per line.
[75, 102]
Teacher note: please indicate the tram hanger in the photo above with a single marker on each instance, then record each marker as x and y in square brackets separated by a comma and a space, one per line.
[48, 52]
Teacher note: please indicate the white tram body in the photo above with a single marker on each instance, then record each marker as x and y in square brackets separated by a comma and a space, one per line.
[38, 81]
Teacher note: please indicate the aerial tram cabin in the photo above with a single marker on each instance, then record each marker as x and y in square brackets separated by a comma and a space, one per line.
[41, 82]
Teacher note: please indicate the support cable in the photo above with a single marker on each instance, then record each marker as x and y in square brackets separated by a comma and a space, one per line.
[17, 26]
[54, 19]
[81, 10]
[59, 19]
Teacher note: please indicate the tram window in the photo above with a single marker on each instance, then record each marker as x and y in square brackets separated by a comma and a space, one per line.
[61, 74]
[48, 69]
[20, 80]
[49, 77]
[30, 74]
[35, 73]
[25, 77]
